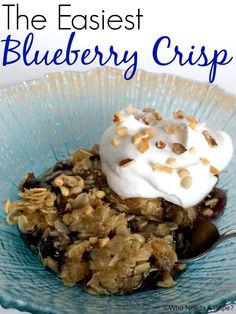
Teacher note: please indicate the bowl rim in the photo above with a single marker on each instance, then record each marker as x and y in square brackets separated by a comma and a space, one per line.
[115, 71]
[6, 300]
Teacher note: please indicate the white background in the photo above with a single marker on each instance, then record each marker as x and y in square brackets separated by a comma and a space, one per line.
[210, 23]
[204, 22]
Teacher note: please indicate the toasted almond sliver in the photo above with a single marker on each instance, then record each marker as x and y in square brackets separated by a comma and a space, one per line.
[160, 144]
[192, 122]
[149, 119]
[123, 131]
[157, 116]
[149, 133]
[130, 109]
[171, 161]
[204, 161]
[187, 182]
[136, 138]
[115, 142]
[159, 167]
[183, 173]
[178, 148]
[179, 114]
[143, 146]
[210, 140]
[214, 170]
[126, 162]
[118, 117]
[148, 110]
[192, 150]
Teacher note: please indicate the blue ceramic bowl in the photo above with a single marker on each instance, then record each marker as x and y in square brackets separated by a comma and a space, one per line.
[45, 120]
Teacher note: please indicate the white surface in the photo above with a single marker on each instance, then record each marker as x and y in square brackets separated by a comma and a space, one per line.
[140, 177]
[210, 23]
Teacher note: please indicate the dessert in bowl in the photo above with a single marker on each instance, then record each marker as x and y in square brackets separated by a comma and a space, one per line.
[114, 218]
[48, 131]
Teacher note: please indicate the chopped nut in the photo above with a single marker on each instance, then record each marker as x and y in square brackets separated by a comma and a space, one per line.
[100, 194]
[123, 131]
[183, 173]
[93, 240]
[160, 144]
[148, 133]
[211, 202]
[115, 142]
[192, 122]
[208, 212]
[143, 146]
[171, 128]
[126, 162]
[151, 117]
[192, 150]
[210, 140]
[103, 242]
[214, 170]
[179, 114]
[171, 161]
[118, 117]
[148, 110]
[157, 116]
[136, 138]
[130, 109]
[162, 168]
[187, 182]
[204, 161]
[178, 148]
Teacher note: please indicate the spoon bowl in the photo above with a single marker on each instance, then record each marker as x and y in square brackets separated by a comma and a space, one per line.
[204, 238]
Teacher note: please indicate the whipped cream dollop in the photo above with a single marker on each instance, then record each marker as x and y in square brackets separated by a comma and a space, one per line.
[146, 155]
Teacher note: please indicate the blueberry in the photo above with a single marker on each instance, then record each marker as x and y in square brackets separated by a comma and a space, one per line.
[95, 157]
[47, 248]
[133, 226]
[30, 182]
[64, 165]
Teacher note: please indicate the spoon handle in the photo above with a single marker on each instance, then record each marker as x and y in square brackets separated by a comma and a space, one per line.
[227, 234]
[224, 236]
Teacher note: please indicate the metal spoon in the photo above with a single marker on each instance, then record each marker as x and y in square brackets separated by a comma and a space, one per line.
[205, 237]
